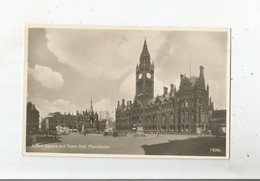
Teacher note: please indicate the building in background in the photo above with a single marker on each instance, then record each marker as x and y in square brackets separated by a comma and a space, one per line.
[187, 109]
[32, 119]
[104, 118]
[103, 115]
[218, 122]
[80, 121]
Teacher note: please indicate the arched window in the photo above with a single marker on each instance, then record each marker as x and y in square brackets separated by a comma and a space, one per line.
[186, 116]
[187, 127]
[171, 119]
[159, 121]
[182, 127]
[163, 120]
[193, 116]
[154, 121]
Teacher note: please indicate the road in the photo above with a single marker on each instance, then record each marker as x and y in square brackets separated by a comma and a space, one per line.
[99, 144]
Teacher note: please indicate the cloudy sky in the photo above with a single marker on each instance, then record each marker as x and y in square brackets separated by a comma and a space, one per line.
[69, 66]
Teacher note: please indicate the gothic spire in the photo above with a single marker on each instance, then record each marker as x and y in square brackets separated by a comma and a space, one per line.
[145, 56]
[91, 106]
[145, 49]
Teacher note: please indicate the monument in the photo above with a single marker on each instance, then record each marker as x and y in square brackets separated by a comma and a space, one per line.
[139, 131]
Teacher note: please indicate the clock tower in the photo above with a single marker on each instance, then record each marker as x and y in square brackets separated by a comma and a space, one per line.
[144, 77]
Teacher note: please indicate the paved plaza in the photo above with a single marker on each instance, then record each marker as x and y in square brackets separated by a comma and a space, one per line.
[149, 145]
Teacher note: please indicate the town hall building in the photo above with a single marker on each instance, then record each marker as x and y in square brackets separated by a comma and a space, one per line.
[186, 109]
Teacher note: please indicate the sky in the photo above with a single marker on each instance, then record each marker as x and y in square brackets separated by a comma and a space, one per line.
[68, 67]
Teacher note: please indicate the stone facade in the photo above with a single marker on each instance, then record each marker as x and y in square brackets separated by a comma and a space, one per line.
[80, 121]
[32, 119]
[187, 109]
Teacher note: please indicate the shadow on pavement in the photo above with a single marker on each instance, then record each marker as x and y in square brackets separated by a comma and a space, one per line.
[56, 140]
[201, 146]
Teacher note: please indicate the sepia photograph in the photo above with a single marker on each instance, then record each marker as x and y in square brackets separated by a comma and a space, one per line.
[137, 92]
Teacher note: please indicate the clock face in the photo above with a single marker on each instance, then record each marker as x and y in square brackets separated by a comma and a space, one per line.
[139, 76]
[148, 75]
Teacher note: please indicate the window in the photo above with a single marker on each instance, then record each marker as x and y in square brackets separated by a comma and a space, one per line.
[186, 116]
[171, 120]
[187, 127]
[163, 120]
[192, 116]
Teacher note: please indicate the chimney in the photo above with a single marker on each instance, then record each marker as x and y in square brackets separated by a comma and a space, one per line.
[181, 76]
[130, 103]
[123, 102]
[172, 88]
[118, 103]
[201, 71]
[165, 91]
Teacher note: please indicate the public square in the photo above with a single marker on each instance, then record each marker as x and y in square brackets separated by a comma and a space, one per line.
[188, 145]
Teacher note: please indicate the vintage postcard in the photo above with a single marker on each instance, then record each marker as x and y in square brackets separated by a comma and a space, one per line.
[140, 92]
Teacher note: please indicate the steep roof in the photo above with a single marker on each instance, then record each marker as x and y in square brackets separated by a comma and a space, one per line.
[145, 51]
[161, 98]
